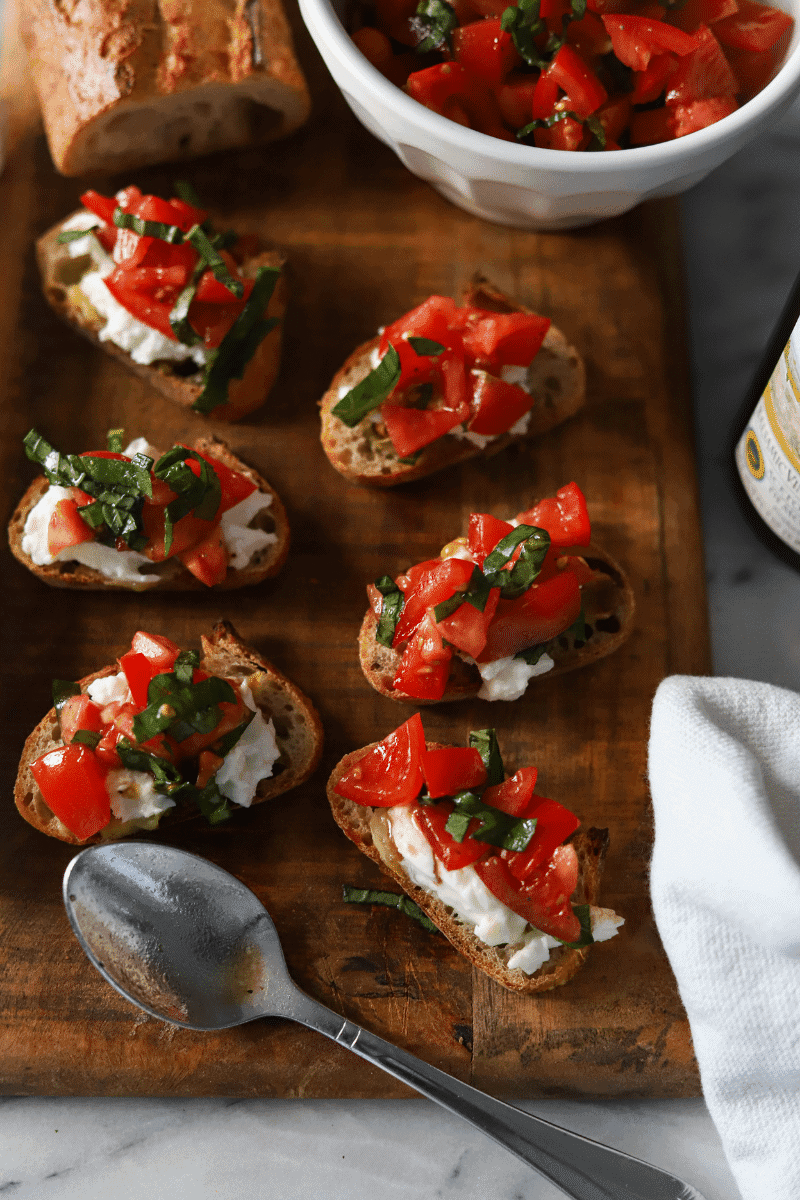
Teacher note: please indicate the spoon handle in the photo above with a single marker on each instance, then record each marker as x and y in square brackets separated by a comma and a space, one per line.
[583, 1169]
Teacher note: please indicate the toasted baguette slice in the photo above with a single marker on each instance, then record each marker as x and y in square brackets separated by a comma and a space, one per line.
[172, 575]
[125, 85]
[591, 846]
[365, 455]
[609, 608]
[297, 726]
[60, 276]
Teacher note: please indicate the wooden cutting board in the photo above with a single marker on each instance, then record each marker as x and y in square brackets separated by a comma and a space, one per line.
[365, 242]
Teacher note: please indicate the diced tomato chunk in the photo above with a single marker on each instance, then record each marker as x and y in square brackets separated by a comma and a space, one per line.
[651, 82]
[485, 50]
[703, 74]
[67, 527]
[389, 773]
[554, 824]
[102, 206]
[515, 98]
[432, 821]
[139, 670]
[700, 113]
[451, 769]
[207, 559]
[72, 783]
[79, 712]
[425, 586]
[506, 339]
[513, 795]
[467, 628]
[636, 38]
[431, 319]
[537, 616]
[755, 27]
[586, 92]
[161, 652]
[497, 405]
[425, 666]
[485, 531]
[545, 900]
[565, 516]
[694, 13]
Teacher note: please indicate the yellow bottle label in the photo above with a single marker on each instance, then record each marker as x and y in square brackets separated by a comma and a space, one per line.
[768, 453]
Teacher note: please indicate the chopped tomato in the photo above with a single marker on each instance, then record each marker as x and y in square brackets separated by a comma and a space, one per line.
[146, 308]
[410, 429]
[79, 712]
[485, 50]
[432, 820]
[467, 628]
[506, 339]
[636, 38]
[139, 671]
[554, 824]
[515, 99]
[431, 319]
[651, 82]
[514, 795]
[72, 783]
[537, 616]
[586, 92]
[755, 27]
[389, 773]
[545, 96]
[186, 532]
[564, 516]
[485, 531]
[425, 586]
[702, 74]
[160, 651]
[652, 125]
[235, 486]
[694, 13]
[451, 769]
[497, 405]
[425, 666]
[102, 206]
[544, 901]
[689, 118]
[67, 527]
[208, 559]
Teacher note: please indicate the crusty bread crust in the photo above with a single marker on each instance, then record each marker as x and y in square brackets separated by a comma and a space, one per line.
[365, 456]
[609, 607]
[591, 846]
[297, 726]
[126, 83]
[60, 275]
[173, 576]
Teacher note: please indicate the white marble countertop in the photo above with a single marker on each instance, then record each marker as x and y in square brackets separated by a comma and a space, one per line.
[742, 244]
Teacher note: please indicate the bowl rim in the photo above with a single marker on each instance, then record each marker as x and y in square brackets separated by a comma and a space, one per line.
[325, 25]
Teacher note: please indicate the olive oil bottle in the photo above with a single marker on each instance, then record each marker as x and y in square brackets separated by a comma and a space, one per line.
[766, 452]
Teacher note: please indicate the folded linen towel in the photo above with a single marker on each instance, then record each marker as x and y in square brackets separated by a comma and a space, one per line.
[724, 770]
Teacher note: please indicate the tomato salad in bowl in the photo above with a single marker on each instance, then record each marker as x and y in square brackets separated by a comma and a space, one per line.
[510, 601]
[577, 74]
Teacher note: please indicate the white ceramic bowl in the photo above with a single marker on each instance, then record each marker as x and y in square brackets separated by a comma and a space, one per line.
[523, 185]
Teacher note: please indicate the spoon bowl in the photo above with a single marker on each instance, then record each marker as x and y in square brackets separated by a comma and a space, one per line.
[189, 943]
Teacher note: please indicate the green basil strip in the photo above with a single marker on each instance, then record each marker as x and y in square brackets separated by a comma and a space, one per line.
[371, 392]
[591, 122]
[391, 608]
[486, 743]
[353, 895]
[240, 343]
[179, 313]
[73, 235]
[584, 914]
[199, 494]
[212, 804]
[577, 630]
[496, 828]
[214, 261]
[185, 190]
[525, 25]
[476, 593]
[120, 474]
[88, 737]
[151, 229]
[168, 781]
[185, 665]
[114, 439]
[62, 690]
[425, 347]
[229, 740]
[181, 708]
[535, 544]
[434, 23]
[532, 655]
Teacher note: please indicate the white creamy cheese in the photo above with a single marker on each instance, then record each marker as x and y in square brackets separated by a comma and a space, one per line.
[121, 565]
[109, 689]
[473, 904]
[133, 796]
[251, 759]
[145, 345]
[507, 678]
[241, 541]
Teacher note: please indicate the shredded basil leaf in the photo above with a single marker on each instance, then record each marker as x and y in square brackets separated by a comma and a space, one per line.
[72, 235]
[353, 895]
[179, 313]
[591, 122]
[434, 23]
[476, 593]
[181, 708]
[240, 343]
[532, 654]
[168, 781]
[114, 440]
[151, 229]
[584, 914]
[185, 190]
[198, 494]
[214, 261]
[391, 608]
[88, 737]
[62, 690]
[426, 347]
[371, 392]
[486, 743]
[496, 828]
[525, 25]
[535, 544]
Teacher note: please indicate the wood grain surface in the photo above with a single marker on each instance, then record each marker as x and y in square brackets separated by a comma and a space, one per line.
[365, 241]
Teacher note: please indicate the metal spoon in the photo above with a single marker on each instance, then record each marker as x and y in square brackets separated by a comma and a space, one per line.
[190, 944]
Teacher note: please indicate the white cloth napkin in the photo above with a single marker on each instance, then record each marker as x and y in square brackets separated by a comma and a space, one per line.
[725, 880]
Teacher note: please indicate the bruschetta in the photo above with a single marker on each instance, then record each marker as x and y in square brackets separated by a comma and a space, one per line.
[163, 735]
[508, 602]
[195, 313]
[141, 520]
[445, 383]
[501, 871]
